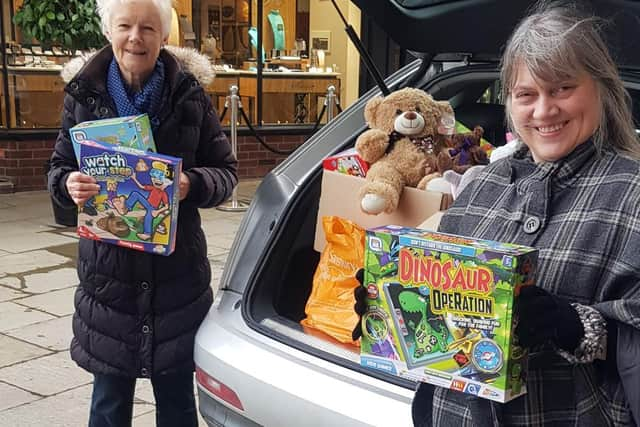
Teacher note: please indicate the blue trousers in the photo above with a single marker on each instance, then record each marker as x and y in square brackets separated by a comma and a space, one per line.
[112, 401]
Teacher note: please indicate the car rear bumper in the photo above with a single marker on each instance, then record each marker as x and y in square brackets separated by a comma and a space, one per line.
[281, 386]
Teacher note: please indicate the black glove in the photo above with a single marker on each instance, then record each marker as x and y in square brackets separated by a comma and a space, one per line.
[547, 318]
[360, 307]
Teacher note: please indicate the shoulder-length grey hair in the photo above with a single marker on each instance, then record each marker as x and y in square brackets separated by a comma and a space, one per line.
[106, 8]
[558, 42]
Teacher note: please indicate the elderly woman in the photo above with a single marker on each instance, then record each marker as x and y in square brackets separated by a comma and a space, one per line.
[137, 313]
[573, 192]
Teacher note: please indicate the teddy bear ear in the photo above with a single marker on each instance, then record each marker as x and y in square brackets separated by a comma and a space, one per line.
[444, 107]
[371, 108]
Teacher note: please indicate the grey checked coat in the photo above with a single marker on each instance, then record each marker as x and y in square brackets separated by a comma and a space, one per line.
[585, 211]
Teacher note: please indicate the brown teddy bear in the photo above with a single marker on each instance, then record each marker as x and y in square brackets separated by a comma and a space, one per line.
[408, 129]
[464, 152]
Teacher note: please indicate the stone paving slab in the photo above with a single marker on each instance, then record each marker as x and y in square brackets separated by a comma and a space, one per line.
[13, 396]
[13, 351]
[32, 241]
[39, 283]
[31, 261]
[218, 241]
[52, 334]
[67, 409]
[13, 316]
[59, 303]
[8, 294]
[46, 375]
[70, 408]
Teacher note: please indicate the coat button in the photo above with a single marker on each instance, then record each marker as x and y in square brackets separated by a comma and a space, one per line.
[104, 111]
[144, 372]
[194, 83]
[91, 100]
[144, 286]
[531, 225]
[73, 85]
[146, 329]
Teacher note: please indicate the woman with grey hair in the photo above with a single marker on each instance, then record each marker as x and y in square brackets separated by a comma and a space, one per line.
[573, 192]
[136, 314]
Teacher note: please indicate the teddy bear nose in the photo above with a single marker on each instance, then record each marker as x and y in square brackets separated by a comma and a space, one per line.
[410, 115]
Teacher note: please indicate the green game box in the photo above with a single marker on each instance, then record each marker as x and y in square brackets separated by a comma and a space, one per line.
[442, 309]
[131, 132]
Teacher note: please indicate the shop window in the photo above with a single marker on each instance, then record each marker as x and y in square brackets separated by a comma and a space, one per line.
[303, 46]
[304, 51]
[32, 89]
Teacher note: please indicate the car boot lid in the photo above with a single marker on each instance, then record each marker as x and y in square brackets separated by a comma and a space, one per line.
[478, 29]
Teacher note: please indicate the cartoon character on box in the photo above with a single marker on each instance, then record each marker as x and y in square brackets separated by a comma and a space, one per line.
[138, 202]
[154, 203]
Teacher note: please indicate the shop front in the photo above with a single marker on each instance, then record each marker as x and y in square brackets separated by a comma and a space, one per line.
[283, 55]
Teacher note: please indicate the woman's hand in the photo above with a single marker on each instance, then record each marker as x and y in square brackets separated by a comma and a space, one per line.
[185, 184]
[81, 187]
[545, 317]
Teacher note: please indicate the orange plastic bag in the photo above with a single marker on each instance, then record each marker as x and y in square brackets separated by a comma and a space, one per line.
[330, 305]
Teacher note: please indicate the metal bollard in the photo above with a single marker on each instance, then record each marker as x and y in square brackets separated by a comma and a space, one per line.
[233, 102]
[330, 102]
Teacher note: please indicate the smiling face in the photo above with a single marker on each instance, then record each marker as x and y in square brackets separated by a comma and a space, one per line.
[136, 36]
[553, 118]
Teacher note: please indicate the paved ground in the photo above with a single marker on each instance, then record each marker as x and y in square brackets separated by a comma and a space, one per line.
[39, 384]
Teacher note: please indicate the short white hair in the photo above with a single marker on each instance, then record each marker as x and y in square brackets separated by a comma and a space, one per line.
[106, 8]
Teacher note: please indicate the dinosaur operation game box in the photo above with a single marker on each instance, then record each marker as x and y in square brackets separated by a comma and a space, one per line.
[137, 206]
[130, 131]
[442, 309]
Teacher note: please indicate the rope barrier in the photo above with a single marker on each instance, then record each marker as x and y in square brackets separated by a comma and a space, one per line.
[263, 142]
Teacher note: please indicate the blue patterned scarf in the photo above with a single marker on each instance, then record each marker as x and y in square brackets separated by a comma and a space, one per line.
[148, 100]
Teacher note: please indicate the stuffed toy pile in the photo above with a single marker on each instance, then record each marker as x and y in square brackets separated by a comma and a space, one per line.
[409, 130]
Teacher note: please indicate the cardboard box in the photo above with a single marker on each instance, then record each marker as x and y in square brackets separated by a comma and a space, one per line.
[441, 309]
[132, 131]
[347, 162]
[339, 196]
[137, 206]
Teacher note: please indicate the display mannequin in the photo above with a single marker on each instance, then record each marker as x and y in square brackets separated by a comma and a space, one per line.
[253, 36]
[277, 26]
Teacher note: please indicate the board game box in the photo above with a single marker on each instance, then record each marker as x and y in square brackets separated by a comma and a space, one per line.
[442, 309]
[137, 206]
[347, 162]
[130, 131]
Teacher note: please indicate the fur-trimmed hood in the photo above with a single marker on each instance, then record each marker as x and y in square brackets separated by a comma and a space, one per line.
[190, 59]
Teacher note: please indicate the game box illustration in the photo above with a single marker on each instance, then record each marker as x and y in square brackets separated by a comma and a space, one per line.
[131, 131]
[347, 162]
[137, 206]
[442, 309]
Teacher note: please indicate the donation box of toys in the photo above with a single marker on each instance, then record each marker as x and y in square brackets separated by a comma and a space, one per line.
[137, 206]
[131, 131]
[442, 309]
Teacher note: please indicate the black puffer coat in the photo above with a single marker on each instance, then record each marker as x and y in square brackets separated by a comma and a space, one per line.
[137, 313]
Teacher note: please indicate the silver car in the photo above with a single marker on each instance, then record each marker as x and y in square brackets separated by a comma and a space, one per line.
[256, 366]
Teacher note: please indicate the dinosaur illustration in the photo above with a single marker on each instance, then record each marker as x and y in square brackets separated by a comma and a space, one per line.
[427, 339]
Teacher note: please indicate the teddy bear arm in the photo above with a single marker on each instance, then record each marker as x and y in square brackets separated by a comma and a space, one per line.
[372, 145]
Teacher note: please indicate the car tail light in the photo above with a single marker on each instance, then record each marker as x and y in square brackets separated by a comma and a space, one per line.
[218, 389]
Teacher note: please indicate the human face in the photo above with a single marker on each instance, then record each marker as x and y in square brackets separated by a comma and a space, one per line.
[553, 118]
[136, 37]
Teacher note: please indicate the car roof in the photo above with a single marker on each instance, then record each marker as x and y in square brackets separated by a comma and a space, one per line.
[478, 29]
